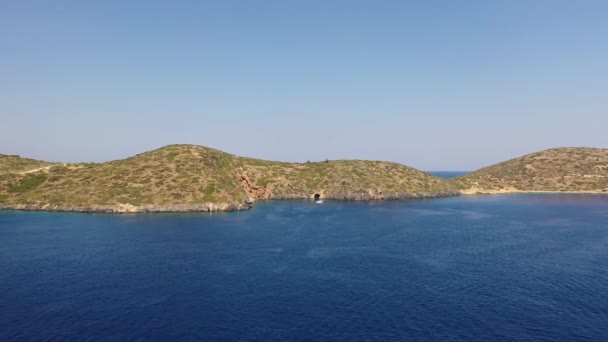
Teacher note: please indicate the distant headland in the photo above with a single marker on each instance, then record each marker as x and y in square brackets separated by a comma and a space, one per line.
[565, 169]
[185, 178]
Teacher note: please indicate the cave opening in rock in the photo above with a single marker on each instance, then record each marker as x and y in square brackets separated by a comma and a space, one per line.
[317, 197]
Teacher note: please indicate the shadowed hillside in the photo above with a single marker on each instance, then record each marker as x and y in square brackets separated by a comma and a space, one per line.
[558, 169]
[195, 178]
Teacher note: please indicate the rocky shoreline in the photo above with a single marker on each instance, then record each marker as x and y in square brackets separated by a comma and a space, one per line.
[248, 204]
[393, 196]
[477, 191]
[368, 196]
[210, 207]
[127, 208]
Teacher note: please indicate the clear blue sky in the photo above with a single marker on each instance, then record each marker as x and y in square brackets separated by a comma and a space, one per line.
[452, 85]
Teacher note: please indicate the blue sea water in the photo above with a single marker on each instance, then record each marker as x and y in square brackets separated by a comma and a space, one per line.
[447, 174]
[493, 268]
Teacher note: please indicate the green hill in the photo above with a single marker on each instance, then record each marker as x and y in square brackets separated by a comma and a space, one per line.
[196, 178]
[575, 169]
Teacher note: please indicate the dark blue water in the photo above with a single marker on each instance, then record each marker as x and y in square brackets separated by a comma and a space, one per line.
[447, 174]
[495, 268]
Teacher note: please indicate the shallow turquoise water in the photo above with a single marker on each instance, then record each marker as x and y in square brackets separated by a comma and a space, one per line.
[499, 268]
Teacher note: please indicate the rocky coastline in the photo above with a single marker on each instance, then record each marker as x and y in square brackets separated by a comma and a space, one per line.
[128, 208]
[213, 207]
[366, 196]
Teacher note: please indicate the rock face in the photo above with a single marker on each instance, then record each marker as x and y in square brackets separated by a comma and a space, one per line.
[255, 192]
[567, 169]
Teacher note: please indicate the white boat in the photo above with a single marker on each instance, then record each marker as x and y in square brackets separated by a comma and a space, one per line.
[319, 201]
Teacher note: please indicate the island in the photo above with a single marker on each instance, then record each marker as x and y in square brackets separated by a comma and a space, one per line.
[182, 178]
[191, 178]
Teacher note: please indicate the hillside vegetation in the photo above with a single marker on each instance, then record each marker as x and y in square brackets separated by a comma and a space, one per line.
[189, 177]
[16, 164]
[559, 169]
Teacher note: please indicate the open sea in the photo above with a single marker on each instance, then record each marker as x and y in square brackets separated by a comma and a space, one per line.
[486, 268]
[447, 174]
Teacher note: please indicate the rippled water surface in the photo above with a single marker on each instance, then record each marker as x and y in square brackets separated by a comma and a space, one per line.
[495, 268]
